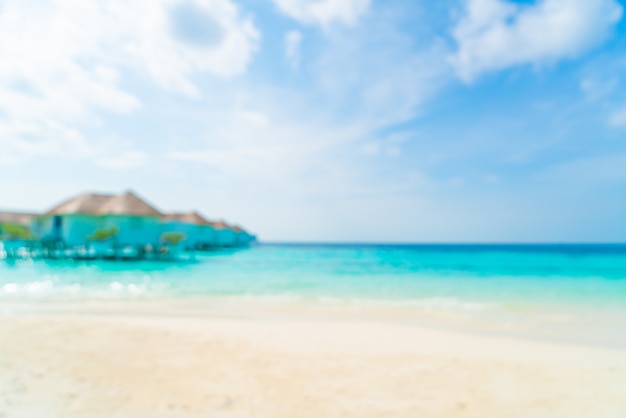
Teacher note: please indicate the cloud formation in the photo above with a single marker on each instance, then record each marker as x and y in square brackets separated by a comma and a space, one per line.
[293, 39]
[617, 117]
[497, 34]
[64, 62]
[125, 160]
[324, 12]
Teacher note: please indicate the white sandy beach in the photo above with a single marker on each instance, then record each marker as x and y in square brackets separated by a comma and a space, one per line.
[110, 363]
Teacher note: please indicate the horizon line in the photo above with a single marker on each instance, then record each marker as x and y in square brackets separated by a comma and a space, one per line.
[281, 242]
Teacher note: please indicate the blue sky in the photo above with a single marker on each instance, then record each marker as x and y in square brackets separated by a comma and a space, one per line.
[325, 120]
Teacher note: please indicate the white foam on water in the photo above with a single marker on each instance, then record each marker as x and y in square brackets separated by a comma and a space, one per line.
[135, 289]
[75, 288]
[29, 288]
[130, 288]
[39, 287]
[10, 288]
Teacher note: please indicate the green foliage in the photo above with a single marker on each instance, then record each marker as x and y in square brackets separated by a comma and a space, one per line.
[173, 238]
[14, 231]
[104, 234]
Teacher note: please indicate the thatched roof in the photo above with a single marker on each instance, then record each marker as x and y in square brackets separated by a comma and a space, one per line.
[219, 225]
[190, 217]
[128, 204]
[87, 203]
[16, 218]
[101, 204]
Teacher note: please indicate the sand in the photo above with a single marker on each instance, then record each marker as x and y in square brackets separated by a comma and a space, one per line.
[112, 362]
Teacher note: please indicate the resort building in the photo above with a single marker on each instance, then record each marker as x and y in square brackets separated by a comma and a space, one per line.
[107, 225]
[198, 231]
[242, 237]
[14, 231]
[16, 218]
[77, 221]
[224, 234]
[206, 235]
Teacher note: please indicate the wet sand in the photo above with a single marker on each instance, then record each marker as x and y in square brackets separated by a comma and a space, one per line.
[115, 363]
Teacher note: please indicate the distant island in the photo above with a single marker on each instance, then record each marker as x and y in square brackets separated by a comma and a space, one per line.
[108, 226]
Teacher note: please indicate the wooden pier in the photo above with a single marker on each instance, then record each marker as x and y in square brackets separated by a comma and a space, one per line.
[92, 251]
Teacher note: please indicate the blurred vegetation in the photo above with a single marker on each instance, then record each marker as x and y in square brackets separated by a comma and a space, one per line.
[104, 234]
[173, 238]
[14, 231]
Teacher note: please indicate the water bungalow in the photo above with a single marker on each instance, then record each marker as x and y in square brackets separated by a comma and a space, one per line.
[78, 220]
[225, 235]
[199, 232]
[14, 231]
[110, 226]
[242, 237]
[15, 218]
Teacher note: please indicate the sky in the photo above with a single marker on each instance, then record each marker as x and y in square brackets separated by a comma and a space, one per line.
[325, 120]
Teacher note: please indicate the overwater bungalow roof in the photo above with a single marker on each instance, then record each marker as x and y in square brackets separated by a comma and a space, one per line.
[87, 203]
[19, 218]
[190, 217]
[220, 225]
[128, 204]
[102, 204]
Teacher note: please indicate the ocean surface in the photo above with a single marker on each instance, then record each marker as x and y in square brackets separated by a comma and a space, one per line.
[565, 291]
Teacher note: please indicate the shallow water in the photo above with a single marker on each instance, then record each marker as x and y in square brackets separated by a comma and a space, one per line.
[560, 289]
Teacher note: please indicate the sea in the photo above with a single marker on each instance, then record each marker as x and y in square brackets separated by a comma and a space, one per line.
[571, 293]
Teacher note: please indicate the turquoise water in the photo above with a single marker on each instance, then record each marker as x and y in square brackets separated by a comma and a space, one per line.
[587, 275]
[583, 285]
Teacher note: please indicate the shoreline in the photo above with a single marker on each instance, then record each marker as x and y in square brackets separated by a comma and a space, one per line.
[551, 326]
[124, 364]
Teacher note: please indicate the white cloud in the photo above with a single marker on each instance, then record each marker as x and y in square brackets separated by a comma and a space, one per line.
[597, 88]
[496, 34]
[293, 39]
[380, 86]
[617, 118]
[598, 169]
[125, 160]
[324, 12]
[244, 144]
[63, 63]
[253, 117]
[390, 146]
[315, 139]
